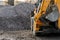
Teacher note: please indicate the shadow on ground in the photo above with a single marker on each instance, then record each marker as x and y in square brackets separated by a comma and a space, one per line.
[49, 35]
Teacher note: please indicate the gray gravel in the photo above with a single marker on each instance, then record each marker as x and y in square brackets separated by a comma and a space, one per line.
[16, 17]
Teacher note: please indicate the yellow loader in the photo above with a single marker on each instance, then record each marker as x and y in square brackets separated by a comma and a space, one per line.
[46, 17]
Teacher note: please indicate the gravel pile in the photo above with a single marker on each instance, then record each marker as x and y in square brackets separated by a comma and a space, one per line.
[16, 17]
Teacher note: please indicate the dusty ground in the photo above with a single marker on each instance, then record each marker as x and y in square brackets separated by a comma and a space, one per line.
[24, 35]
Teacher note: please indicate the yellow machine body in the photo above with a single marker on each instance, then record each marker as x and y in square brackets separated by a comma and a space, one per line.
[42, 10]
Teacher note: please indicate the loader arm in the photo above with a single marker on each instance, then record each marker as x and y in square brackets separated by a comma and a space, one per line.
[43, 9]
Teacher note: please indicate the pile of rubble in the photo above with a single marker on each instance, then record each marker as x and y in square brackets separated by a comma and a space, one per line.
[16, 17]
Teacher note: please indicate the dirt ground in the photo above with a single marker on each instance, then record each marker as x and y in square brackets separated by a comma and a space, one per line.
[24, 35]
